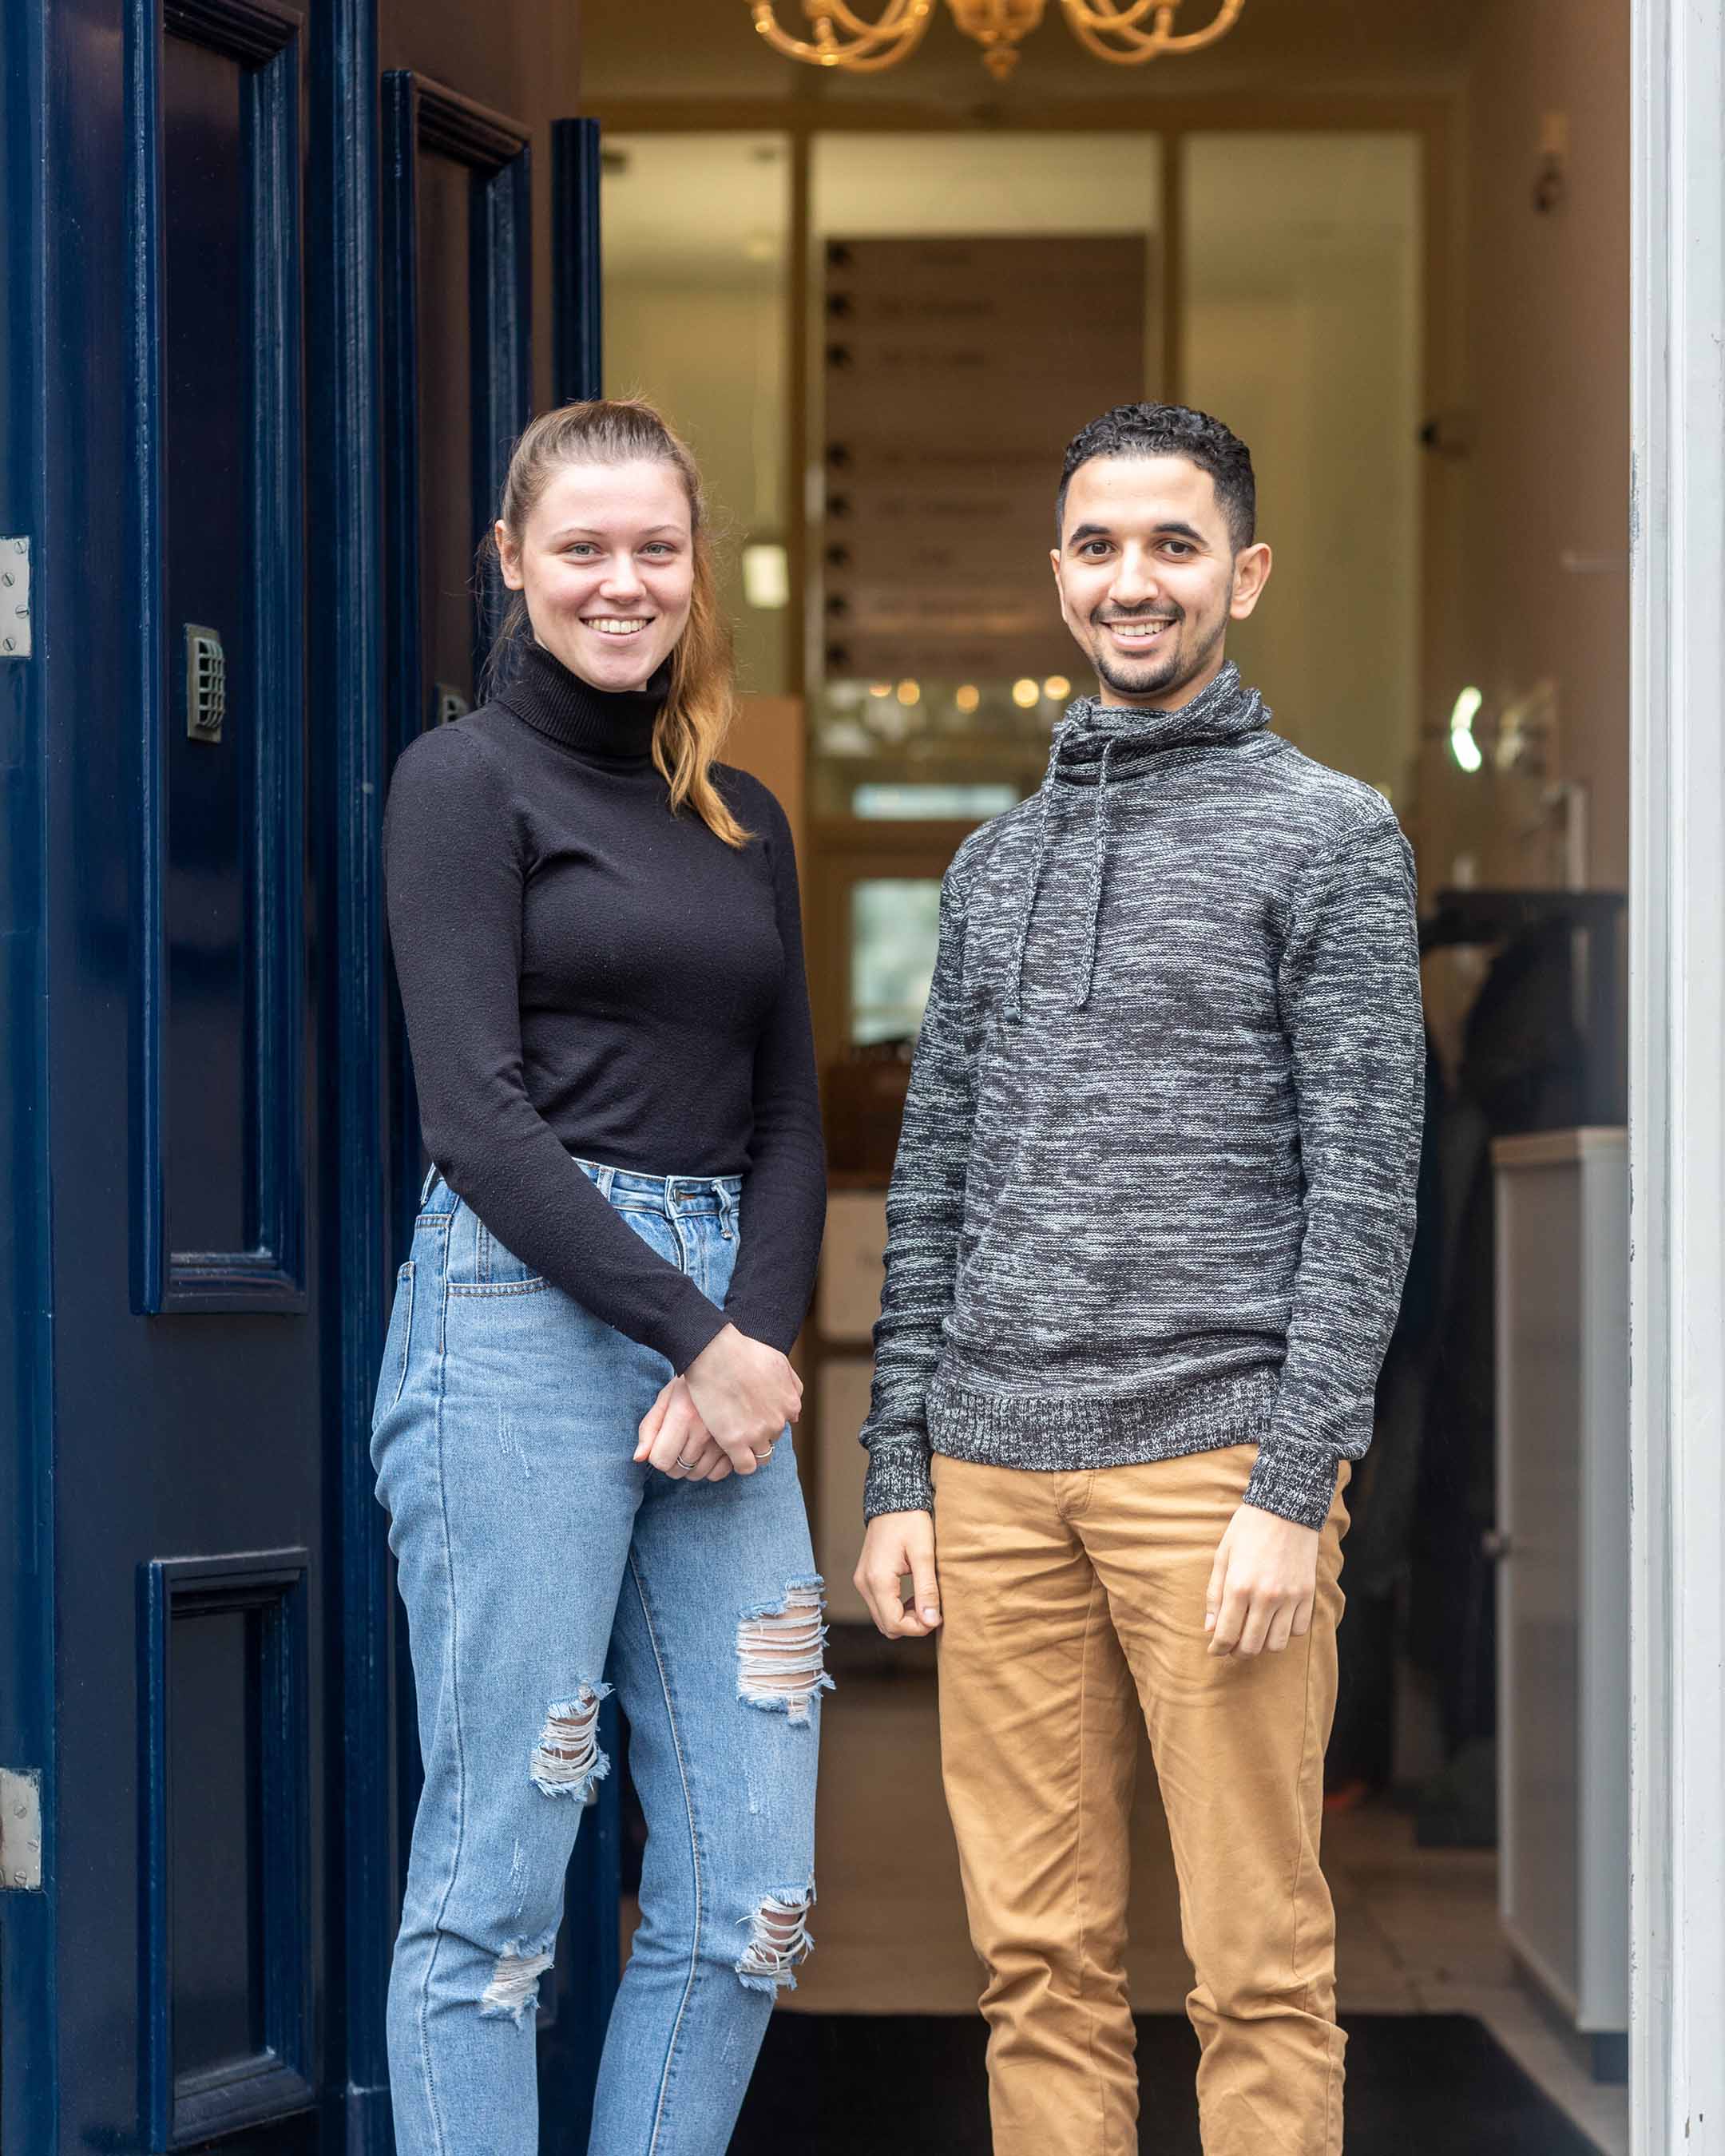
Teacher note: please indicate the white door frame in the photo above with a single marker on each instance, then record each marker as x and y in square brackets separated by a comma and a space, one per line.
[1677, 1095]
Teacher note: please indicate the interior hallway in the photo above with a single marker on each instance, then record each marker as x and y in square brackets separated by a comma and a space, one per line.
[1418, 1927]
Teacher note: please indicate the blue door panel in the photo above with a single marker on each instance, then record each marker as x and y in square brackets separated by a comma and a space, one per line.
[217, 947]
[205, 390]
[449, 515]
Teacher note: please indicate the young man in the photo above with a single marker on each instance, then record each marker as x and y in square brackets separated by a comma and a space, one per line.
[1147, 1233]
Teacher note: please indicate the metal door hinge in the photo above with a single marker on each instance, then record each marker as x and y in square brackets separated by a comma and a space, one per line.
[20, 1830]
[14, 598]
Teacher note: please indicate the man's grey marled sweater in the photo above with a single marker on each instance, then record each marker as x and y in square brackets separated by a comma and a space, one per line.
[1155, 1189]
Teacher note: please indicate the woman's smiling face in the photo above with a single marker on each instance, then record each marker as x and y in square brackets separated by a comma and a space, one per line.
[607, 566]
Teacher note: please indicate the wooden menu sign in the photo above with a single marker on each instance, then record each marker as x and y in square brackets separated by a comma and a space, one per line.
[956, 372]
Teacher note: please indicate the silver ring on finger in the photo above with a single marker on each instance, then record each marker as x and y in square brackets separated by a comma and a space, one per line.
[685, 1464]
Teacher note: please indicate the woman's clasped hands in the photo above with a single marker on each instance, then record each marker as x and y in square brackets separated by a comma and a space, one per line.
[724, 1414]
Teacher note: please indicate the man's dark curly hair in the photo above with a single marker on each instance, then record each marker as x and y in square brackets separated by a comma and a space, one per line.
[1170, 430]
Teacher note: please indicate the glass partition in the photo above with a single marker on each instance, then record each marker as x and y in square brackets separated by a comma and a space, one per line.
[974, 298]
[895, 926]
[695, 230]
[1300, 325]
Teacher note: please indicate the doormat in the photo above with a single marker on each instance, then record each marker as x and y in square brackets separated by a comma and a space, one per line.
[858, 2084]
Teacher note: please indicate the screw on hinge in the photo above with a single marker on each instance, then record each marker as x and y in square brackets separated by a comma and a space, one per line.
[15, 642]
[20, 1844]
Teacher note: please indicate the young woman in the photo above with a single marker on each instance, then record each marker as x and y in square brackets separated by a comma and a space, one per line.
[596, 929]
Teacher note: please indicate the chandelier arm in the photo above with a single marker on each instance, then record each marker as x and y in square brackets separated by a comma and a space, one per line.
[1105, 15]
[782, 41]
[894, 21]
[901, 31]
[1090, 29]
[1227, 15]
[850, 62]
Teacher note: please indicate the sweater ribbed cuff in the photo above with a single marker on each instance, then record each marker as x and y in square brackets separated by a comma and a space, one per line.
[898, 1478]
[1294, 1480]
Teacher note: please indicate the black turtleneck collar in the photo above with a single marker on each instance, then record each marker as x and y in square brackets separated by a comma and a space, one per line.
[616, 723]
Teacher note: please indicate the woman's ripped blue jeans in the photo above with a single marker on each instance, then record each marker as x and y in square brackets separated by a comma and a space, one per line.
[536, 1560]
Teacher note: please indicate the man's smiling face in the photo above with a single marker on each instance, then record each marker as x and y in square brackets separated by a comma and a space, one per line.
[1148, 577]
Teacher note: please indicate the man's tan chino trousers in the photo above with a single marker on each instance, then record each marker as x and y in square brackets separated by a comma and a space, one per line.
[1063, 1595]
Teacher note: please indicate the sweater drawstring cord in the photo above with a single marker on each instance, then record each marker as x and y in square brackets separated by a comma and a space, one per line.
[1015, 1004]
[1098, 867]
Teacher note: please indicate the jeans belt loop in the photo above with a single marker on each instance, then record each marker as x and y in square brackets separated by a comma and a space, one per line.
[607, 1179]
[425, 1188]
[728, 1209]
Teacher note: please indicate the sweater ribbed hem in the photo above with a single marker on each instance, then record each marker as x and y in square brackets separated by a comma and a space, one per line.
[1066, 1433]
[1063, 1433]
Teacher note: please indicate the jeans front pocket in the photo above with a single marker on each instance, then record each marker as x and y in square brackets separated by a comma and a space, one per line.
[393, 1373]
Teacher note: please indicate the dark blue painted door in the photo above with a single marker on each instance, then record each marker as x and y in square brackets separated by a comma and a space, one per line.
[172, 1542]
[191, 1816]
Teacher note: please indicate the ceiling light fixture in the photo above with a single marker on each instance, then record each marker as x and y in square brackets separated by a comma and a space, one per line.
[1126, 32]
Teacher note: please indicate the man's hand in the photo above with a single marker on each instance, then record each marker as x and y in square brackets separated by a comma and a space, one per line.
[1262, 1584]
[895, 1543]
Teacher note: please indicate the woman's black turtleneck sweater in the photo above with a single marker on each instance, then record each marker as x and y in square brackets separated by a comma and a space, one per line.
[585, 973]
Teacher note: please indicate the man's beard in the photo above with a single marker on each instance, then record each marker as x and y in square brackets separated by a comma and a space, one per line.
[1166, 667]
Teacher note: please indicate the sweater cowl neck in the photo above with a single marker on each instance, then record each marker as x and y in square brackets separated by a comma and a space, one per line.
[615, 724]
[1096, 745]
[1223, 710]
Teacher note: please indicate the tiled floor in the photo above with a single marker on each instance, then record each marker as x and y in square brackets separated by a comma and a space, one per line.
[1418, 1927]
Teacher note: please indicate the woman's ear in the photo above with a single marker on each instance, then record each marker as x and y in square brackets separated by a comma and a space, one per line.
[509, 555]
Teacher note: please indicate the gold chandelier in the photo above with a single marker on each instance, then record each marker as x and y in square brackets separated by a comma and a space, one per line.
[1127, 32]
